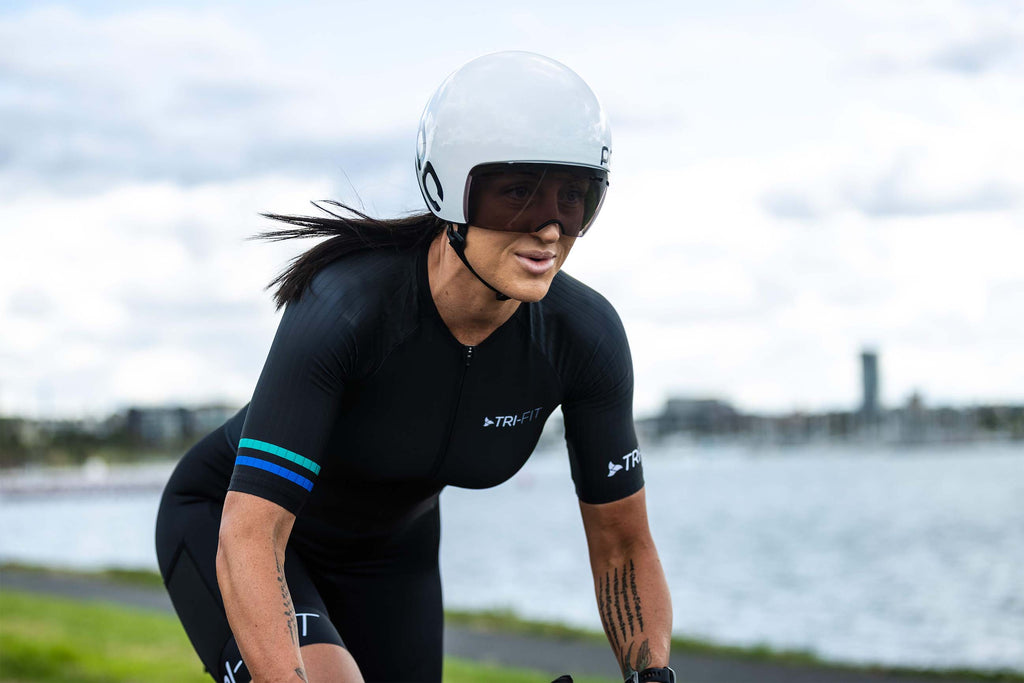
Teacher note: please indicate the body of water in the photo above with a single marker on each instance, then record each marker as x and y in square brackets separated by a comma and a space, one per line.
[904, 557]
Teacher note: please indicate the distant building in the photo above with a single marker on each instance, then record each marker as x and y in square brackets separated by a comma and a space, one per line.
[158, 424]
[698, 416]
[203, 420]
[170, 424]
[869, 366]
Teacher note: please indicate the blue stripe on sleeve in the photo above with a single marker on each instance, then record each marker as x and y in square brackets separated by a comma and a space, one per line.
[275, 469]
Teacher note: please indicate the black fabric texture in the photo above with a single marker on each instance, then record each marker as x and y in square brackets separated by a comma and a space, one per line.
[365, 381]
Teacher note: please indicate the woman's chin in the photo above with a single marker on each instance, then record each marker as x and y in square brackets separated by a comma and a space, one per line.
[527, 292]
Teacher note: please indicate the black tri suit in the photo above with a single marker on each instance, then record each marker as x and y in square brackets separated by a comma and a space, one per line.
[366, 409]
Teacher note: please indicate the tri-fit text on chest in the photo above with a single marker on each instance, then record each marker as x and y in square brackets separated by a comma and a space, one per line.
[512, 420]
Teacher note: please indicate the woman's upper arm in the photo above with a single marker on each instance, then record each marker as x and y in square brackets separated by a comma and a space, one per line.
[246, 516]
[288, 424]
[598, 411]
[613, 528]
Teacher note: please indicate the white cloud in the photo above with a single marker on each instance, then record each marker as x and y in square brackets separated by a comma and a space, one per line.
[168, 95]
[958, 36]
[787, 185]
[115, 281]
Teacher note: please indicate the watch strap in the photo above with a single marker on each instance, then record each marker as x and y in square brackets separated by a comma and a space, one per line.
[653, 675]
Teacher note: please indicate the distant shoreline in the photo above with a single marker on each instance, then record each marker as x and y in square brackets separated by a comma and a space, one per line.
[102, 474]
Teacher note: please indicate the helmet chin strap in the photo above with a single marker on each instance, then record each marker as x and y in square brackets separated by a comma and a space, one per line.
[457, 238]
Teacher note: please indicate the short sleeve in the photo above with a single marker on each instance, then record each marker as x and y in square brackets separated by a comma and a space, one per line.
[598, 412]
[294, 407]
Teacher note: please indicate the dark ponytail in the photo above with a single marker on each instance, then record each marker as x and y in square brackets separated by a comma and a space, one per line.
[348, 233]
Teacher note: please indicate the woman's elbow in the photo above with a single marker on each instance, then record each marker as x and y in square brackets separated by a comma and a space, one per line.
[225, 550]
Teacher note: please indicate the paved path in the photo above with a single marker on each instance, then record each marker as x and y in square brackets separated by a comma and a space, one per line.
[570, 656]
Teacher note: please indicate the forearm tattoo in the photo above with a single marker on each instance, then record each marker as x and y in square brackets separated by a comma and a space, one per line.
[604, 606]
[636, 596]
[642, 661]
[618, 603]
[289, 610]
[301, 673]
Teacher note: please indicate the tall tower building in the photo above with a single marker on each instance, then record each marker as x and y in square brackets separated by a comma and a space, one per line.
[869, 368]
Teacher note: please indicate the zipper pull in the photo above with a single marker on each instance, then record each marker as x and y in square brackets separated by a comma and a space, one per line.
[469, 354]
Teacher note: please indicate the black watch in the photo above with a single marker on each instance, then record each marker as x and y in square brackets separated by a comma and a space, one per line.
[653, 675]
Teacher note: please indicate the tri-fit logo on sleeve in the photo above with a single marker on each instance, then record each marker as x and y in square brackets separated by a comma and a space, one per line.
[512, 420]
[232, 670]
[631, 461]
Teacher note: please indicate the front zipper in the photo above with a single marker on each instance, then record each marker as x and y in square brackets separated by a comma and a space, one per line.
[467, 358]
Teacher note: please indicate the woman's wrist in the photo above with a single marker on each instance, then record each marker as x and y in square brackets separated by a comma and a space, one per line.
[653, 675]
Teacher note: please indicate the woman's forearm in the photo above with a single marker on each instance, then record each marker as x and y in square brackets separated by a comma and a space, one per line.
[635, 607]
[250, 572]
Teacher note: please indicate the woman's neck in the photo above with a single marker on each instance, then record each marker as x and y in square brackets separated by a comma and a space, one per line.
[468, 308]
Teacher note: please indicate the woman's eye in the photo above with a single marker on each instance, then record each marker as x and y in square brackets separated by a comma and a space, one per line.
[517, 192]
[573, 195]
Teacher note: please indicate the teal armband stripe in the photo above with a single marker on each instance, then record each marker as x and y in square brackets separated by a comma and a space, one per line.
[281, 453]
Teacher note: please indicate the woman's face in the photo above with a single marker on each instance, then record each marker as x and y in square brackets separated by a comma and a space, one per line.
[512, 254]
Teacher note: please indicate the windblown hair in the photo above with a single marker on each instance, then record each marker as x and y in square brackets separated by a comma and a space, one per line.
[349, 231]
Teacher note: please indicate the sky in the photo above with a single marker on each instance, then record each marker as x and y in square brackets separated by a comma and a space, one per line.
[791, 182]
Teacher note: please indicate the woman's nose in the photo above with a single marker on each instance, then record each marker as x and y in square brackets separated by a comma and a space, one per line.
[549, 232]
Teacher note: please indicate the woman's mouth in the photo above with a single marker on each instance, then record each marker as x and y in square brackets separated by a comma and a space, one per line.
[536, 262]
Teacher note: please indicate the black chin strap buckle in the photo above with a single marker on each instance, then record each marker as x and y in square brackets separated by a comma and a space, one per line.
[457, 238]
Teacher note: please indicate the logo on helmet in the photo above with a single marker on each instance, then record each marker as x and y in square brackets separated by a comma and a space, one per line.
[605, 154]
[428, 170]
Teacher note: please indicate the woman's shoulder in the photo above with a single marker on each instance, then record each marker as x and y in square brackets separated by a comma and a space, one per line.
[374, 273]
[574, 324]
[357, 293]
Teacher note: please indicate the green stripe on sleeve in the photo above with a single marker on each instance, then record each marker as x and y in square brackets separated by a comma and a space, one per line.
[281, 453]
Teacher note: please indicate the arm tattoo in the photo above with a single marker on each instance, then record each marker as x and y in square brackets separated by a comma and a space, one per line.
[301, 674]
[636, 596]
[617, 593]
[625, 602]
[643, 659]
[618, 605]
[624, 664]
[604, 607]
[286, 598]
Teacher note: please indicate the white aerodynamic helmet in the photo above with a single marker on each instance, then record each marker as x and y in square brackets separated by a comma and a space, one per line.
[508, 108]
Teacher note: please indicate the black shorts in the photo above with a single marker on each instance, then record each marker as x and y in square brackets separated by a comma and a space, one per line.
[379, 598]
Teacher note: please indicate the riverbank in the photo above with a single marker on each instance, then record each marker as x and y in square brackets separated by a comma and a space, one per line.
[506, 640]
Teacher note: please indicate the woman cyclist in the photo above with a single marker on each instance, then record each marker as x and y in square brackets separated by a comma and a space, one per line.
[299, 542]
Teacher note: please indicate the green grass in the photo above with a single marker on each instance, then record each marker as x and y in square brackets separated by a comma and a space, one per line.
[56, 640]
[507, 621]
